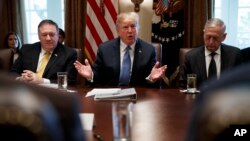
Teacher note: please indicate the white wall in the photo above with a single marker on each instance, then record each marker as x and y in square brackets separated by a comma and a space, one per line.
[145, 13]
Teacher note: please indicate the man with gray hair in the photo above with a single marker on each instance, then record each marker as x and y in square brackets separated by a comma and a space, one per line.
[125, 60]
[213, 58]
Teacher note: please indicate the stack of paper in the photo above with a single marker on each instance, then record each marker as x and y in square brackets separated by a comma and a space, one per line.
[113, 94]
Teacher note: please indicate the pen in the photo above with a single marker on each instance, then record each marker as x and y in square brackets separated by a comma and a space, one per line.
[98, 137]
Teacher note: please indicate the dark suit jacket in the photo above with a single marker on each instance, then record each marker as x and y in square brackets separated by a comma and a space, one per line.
[195, 62]
[61, 60]
[107, 65]
[246, 54]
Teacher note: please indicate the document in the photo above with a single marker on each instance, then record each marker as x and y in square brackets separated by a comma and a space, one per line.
[104, 91]
[122, 94]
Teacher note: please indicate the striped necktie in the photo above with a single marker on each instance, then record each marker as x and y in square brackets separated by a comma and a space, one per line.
[43, 64]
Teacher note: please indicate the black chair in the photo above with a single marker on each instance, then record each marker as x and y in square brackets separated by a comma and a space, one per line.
[158, 50]
[6, 59]
[182, 54]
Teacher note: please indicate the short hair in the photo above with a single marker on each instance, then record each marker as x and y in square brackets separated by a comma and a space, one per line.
[213, 22]
[48, 21]
[61, 32]
[127, 15]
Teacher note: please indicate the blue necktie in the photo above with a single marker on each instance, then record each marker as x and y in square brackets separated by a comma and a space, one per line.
[125, 70]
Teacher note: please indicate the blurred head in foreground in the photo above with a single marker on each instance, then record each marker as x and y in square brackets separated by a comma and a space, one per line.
[221, 111]
[31, 112]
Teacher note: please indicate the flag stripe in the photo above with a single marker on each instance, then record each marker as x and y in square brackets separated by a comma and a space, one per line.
[97, 12]
[93, 31]
[111, 9]
[100, 24]
[90, 51]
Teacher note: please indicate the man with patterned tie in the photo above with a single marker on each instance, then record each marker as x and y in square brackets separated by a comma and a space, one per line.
[125, 60]
[212, 59]
[40, 62]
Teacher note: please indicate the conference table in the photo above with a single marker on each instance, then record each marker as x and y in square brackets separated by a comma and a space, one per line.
[158, 115]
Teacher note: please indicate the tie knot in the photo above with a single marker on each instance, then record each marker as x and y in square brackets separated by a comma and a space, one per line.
[212, 54]
[128, 48]
[47, 53]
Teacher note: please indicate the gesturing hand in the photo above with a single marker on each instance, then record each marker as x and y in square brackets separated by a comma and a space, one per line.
[157, 71]
[84, 70]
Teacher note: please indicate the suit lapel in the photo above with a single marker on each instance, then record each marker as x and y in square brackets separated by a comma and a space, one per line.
[202, 64]
[116, 57]
[223, 58]
[137, 55]
[36, 54]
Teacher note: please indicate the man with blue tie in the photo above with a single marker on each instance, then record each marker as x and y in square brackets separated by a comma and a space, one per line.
[125, 60]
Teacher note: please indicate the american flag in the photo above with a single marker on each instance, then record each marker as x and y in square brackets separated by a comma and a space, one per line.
[100, 24]
[162, 6]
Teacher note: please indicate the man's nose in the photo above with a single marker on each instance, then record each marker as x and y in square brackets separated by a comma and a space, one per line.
[48, 37]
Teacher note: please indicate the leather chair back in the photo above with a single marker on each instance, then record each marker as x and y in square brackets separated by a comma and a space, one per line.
[6, 59]
[80, 80]
[158, 50]
[182, 55]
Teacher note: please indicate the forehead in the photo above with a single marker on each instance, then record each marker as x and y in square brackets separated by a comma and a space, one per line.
[213, 30]
[12, 36]
[47, 28]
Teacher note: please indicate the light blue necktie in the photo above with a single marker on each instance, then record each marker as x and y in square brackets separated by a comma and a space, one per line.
[125, 70]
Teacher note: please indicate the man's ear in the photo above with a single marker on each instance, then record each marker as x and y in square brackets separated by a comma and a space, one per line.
[224, 37]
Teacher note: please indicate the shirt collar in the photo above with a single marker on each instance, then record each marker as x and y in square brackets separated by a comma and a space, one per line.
[43, 51]
[123, 45]
[207, 52]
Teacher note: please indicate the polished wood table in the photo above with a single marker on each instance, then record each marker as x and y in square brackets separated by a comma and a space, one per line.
[158, 115]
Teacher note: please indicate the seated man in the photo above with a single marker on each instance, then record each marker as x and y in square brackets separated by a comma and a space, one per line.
[213, 58]
[124, 61]
[40, 62]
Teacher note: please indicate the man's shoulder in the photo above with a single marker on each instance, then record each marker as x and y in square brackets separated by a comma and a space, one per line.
[229, 47]
[36, 44]
[110, 42]
[64, 48]
[196, 51]
[33, 46]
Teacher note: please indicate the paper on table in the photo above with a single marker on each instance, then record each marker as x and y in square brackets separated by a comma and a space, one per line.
[103, 91]
[123, 94]
[87, 120]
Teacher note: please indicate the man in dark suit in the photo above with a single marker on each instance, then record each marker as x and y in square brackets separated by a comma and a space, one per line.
[197, 61]
[59, 59]
[109, 66]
